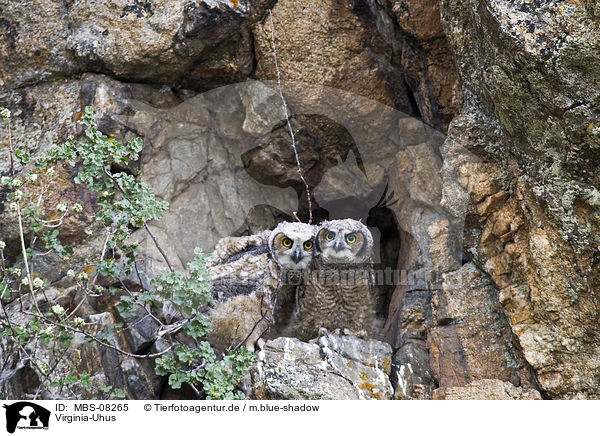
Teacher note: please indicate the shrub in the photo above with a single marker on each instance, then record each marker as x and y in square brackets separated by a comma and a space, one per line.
[125, 205]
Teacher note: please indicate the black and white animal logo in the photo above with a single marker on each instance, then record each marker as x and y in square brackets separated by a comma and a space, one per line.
[26, 415]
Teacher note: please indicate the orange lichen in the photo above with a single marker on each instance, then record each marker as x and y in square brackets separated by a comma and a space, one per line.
[370, 389]
[350, 364]
[235, 3]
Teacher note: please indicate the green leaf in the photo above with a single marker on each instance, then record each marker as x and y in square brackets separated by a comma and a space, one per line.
[109, 268]
[22, 156]
[198, 327]
[126, 306]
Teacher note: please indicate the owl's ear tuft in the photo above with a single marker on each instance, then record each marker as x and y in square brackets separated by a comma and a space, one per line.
[363, 240]
[318, 240]
[275, 240]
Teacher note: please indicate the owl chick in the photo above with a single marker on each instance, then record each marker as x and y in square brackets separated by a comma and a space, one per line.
[337, 292]
[292, 248]
[253, 282]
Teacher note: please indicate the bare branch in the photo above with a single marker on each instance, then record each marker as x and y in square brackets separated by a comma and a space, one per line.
[263, 316]
[162, 252]
[287, 118]
[95, 339]
[10, 149]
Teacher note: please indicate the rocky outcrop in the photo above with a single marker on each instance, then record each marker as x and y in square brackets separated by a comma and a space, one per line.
[335, 368]
[491, 389]
[530, 115]
[407, 41]
[193, 44]
[319, 43]
[471, 338]
[188, 44]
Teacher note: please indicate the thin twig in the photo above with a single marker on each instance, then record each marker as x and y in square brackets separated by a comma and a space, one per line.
[20, 219]
[101, 256]
[10, 148]
[287, 118]
[24, 251]
[137, 272]
[6, 360]
[162, 252]
[149, 312]
[77, 307]
[6, 314]
[263, 316]
[105, 344]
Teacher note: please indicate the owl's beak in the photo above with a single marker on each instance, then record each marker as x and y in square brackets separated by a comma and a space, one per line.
[338, 246]
[297, 255]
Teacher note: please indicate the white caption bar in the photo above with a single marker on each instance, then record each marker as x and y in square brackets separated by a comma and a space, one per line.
[90, 418]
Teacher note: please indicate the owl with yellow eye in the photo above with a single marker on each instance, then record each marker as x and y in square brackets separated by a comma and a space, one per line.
[337, 291]
[291, 245]
[254, 280]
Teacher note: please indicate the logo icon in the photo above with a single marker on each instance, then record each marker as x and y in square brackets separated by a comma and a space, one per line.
[26, 415]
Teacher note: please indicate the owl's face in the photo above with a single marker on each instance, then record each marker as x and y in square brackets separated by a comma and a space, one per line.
[344, 241]
[292, 245]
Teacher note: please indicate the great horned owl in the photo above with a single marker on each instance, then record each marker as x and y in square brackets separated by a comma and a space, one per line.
[337, 292]
[252, 279]
[292, 247]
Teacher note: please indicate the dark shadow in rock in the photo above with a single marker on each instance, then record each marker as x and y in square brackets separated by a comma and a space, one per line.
[322, 145]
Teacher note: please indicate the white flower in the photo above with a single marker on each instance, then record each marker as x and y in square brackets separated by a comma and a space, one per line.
[25, 281]
[82, 276]
[12, 206]
[50, 330]
[50, 172]
[2, 245]
[78, 207]
[70, 273]
[61, 208]
[58, 310]
[16, 271]
[16, 183]
[32, 177]
[78, 322]
[18, 195]
[38, 283]
[5, 113]
[5, 180]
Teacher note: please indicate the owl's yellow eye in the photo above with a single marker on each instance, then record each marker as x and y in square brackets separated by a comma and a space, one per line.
[287, 242]
[351, 238]
[308, 245]
[330, 236]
